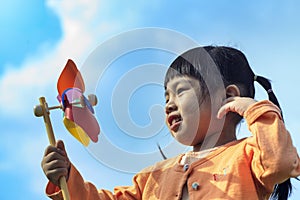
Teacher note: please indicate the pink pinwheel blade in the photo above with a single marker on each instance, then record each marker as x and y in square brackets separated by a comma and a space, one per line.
[84, 118]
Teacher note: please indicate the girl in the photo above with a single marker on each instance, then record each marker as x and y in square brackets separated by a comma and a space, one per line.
[208, 91]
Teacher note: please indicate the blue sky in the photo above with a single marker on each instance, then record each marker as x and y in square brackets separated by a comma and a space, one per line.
[17, 40]
[37, 38]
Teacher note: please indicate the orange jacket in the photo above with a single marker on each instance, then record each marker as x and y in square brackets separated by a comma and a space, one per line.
[243, 169]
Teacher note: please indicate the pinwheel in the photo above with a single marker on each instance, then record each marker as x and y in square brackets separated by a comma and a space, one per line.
[78, 112]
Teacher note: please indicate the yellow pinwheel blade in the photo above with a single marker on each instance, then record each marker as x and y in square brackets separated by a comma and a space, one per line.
[76, 131]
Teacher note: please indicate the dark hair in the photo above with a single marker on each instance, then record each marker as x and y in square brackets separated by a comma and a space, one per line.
[234, 68]
[199, 63]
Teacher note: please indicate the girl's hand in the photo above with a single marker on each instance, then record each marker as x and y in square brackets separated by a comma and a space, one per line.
[235, 104]
[55, 163]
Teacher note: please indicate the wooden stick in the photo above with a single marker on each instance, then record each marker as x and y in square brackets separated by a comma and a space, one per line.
[61, 106]
[55, 107]
[49, 129]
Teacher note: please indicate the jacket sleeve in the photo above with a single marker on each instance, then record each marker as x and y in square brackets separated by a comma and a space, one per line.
[79, 189]
[274, 158]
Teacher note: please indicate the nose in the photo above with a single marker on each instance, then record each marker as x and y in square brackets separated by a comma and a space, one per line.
[170, 107]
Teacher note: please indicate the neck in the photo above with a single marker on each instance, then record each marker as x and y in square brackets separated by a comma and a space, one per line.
[218, 138]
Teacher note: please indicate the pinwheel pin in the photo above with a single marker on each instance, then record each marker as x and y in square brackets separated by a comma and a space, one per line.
[78, 112]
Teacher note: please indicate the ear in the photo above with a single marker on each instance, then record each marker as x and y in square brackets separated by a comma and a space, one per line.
[232, 91]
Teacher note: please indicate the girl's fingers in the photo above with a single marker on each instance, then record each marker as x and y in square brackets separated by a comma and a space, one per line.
[54, 156]
[235, 104]
[51, 149]
[224, 110]
[55, 164]
[61, 146]
[55, 174]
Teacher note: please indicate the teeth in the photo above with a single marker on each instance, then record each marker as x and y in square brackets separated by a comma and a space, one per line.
[177, 119]
[173, 121]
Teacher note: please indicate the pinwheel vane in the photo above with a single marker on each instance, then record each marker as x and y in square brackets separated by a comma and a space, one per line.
[78, 111]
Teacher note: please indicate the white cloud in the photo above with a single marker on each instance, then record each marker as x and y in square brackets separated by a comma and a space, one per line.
[82, 32]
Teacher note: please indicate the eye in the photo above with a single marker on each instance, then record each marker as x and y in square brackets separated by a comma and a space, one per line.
[180, 90]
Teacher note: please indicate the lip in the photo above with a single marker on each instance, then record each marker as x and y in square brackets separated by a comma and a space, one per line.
[174, 127]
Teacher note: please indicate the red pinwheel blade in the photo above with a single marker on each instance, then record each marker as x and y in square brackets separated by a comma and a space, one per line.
[70, 77]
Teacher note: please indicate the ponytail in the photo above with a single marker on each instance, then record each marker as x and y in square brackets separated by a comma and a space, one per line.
[265, 83]
[283, 190]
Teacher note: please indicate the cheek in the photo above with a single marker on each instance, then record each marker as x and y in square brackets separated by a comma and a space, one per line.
[190, 105]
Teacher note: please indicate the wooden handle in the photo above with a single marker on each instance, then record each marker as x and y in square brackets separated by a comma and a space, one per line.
[49, 129]
[64, 188]
[47, 121]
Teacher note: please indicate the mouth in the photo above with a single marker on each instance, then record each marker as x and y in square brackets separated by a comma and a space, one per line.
[174, 122]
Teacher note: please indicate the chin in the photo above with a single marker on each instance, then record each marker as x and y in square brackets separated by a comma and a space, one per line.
[183, 140]
[190, 142]
[183, 137]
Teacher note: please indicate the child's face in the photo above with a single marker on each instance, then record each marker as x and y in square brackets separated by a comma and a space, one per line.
[187, 119]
